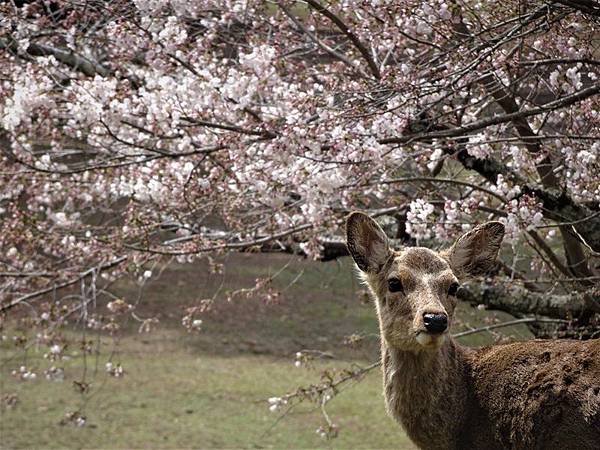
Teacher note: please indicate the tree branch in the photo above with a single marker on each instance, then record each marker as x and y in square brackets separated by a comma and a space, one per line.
[462, 130]
[82, 64]
[317, 41]
[518, 301]
[353, 38]
[590, 7]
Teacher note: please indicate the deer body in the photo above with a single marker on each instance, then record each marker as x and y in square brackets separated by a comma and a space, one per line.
[534, 395]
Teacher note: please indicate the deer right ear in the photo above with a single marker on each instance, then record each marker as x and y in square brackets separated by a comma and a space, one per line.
[475, 252]
[366, 242]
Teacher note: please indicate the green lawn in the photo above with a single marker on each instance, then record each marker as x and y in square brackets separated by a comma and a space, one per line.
[173, 397]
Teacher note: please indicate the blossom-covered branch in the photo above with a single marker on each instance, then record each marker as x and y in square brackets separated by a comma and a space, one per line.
[180, 129]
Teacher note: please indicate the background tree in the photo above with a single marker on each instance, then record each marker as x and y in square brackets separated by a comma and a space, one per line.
[138, 131]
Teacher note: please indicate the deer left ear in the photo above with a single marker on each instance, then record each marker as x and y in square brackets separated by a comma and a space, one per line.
[475, 252]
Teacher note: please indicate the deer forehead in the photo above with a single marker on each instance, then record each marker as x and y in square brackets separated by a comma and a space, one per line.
[420, 260]
[419, 266]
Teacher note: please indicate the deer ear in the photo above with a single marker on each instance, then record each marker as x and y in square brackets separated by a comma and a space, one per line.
[366, 242]
[475, 252]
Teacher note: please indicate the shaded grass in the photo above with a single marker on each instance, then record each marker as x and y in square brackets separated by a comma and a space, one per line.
[317, 306]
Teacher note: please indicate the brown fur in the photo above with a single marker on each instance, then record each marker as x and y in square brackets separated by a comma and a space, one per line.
[531, 395]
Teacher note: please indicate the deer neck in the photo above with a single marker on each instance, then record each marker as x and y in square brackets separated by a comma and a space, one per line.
[426, 391]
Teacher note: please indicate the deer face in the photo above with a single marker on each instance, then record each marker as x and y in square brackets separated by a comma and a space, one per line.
[415, 288]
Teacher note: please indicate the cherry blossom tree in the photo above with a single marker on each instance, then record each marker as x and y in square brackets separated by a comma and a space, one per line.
[134, 131]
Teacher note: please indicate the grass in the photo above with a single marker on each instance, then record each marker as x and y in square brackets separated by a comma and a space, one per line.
[172, 397]
[209, 390]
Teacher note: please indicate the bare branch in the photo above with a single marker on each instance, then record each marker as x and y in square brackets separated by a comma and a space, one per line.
[519, 301]
[12, 303]
[585, 6]
[353, 38]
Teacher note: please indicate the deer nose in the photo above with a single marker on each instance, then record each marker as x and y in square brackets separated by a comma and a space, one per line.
[435, 323]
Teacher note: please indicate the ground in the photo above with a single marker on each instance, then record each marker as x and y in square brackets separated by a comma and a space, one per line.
[209, 389]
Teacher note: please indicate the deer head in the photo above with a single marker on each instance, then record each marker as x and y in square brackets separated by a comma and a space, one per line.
[415, 288]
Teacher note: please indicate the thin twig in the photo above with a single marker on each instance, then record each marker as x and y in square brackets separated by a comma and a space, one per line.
[507, 324]
[54, 287]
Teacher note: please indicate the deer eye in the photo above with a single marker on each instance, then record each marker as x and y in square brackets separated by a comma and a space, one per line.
[395, 285]
[453, 289]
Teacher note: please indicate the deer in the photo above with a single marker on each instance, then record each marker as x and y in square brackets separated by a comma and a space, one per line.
[540, 394]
